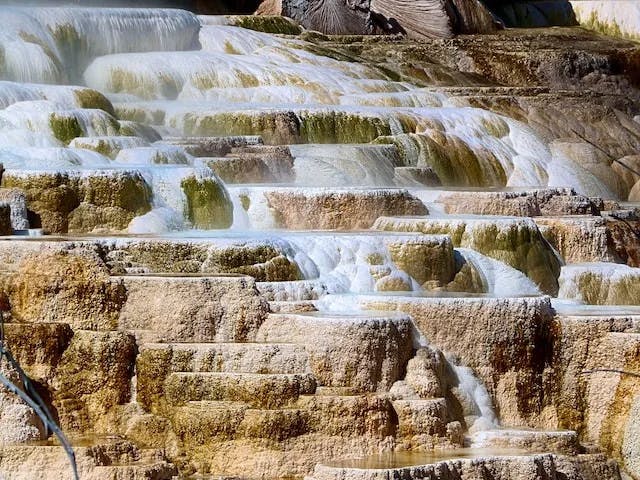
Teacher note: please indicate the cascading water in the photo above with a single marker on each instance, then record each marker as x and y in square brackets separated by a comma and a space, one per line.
[479, 411]
[172, 104]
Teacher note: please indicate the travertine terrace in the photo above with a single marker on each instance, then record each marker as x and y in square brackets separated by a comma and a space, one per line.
[233, 247]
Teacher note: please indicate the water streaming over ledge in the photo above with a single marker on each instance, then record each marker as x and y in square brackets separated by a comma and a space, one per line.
[98, 97]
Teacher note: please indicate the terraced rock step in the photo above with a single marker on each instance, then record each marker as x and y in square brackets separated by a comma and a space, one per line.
[600, 283]
[511, 240]
[203, 422]
[231, 357]
[579, 239]
[379, 346]
[258, 390]
[342, 246]
[332, 415]
[114, 460]
[553, 467]
[457, 325]
[304, 306]
[527, 203]
[422, 417]
[262, 259]
[212, 146]
[296, 291]
[224, 309]
[562, 442]
[323, 208]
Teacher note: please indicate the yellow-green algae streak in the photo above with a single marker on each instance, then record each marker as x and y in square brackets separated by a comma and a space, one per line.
[208, 204]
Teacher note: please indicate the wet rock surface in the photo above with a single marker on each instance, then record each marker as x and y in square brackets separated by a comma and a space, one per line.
[249, 249]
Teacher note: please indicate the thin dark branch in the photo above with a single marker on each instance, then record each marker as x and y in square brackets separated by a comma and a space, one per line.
[611, 157]
[610, 370]
[33, 399]
[54, 428]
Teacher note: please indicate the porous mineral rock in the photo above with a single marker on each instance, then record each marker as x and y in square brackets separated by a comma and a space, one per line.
[533, 203]
[257, 164]
[80, 201]
[350, 209]
[511, 324]
[20, 421]
[379, 347]
[517, 467]
[427, 258]
[109, 457]
[579, 239]
[212, 146]
[93, 379]
[263, 260]
[16, 199]
[70, 286]
[193, 308]
[598, 350]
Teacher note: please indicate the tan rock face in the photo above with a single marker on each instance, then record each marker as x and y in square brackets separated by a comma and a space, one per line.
[107, 458]
[68, 286]
[21, 424]
[552, 202]
[579, 239]
[83, 376]
[255, 164]
[509, 368]
[600, 284]
[92, 379]
[107, 200]
[340, 210]
[594, 239]
[260, 260]
[596, 387]
[624, 239]
[17, 201]
[193, 308]
[554, 467]
[379, 347]
[425, 259]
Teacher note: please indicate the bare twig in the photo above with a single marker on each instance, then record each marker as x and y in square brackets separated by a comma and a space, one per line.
[610, 370]
[31, 397]
[611, 157]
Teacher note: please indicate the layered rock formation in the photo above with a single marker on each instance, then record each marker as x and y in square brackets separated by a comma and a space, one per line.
[322, 256]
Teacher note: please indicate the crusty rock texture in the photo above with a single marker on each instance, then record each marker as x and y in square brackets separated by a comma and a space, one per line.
[600, 284]
[487, 172]
[509, 467]
[75, 202]
[17, 201]
[510, 369]
[379, 347]
[552, 202]
[70, 286]
[259, 259]
[93, 379]
[337, 210]
[193, 308]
